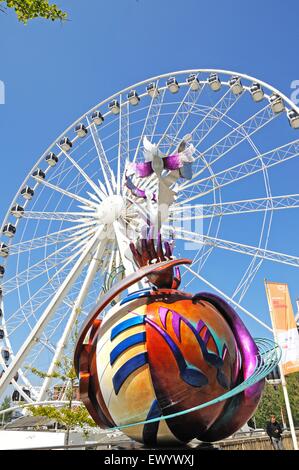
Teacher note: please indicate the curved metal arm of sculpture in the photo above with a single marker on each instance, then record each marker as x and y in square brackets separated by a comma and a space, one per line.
[158, 269]
[145, 253]
[269, 357]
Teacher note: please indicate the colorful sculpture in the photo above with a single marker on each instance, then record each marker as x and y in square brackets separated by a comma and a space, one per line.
[160, 351]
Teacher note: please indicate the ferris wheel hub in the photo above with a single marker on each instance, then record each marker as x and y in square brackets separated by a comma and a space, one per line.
[111, 209]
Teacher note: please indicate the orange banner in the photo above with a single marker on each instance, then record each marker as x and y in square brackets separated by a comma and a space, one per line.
[283, 321]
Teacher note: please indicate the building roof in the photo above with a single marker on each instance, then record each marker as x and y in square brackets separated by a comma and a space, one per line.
[29, 422]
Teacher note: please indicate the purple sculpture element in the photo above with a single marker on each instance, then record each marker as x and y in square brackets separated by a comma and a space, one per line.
[144, 169]
[138, 192]
[240, 407]
[178, 161]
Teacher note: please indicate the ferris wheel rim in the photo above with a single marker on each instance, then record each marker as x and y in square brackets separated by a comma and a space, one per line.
[143, 82]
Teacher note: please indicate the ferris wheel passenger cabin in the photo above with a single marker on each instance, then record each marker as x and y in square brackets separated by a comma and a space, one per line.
[4, 250]
[81, 130]
[236, 85]
[172, 85]
[152, 90]
[97, 118]
[193, 82]
[27, 193]
[17, 211]
[65, 144]
[38, 175]
[9, 230]
[114, 107]
[276, 103]
[256, 92]
[133, 97]
[214, 82]
[51, 159]
[5, 355]
[293, 117]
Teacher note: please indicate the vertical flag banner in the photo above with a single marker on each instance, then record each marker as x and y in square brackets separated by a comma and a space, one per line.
[284, 324]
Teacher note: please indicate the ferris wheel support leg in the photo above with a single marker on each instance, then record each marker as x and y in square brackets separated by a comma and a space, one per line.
[16, 386]
[92, 270]
[48, 313]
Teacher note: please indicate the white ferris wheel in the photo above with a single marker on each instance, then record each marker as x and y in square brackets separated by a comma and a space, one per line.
[65, 238]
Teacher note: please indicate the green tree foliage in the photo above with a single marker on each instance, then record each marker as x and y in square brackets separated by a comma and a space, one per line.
[30, 9]
[68, 415]
[4, 406]
[272, 402]
[293, 390]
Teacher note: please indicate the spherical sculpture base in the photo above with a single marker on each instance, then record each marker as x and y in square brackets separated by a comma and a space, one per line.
[161, 352]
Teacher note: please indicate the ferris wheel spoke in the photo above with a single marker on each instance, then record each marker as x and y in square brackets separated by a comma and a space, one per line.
[213, 117]
[245, 169]
[179, 119]
[194, 212]
[27, 311]
[105, 167]
[196, 262]
[47, 345]
[64, 235]
[67, 193]
[66, 168]
[40, 297]
[149, 122]
[41, 267]
[247, 278]
[61, 216]
[239, 248]
[157, 107]
[91, 183]
[235, 137]
[228, 298]
[149, 131]
[92, 270]
[17, 386]
[123, 142]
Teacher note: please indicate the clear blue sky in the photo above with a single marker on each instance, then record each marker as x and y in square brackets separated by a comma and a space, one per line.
[54, 72]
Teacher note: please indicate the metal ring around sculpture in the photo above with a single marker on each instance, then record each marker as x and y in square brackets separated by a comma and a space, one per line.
[269, 357]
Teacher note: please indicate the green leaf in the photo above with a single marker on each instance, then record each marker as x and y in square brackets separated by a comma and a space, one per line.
[30, 9]
[272, 402]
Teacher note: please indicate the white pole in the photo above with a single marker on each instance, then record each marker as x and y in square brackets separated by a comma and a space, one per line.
[297, 314]
[283, 381]
[288, 407]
